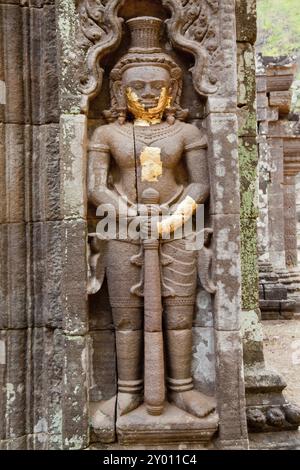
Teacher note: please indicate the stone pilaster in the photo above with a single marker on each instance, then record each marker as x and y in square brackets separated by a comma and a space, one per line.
[31, 237]
[263, 387]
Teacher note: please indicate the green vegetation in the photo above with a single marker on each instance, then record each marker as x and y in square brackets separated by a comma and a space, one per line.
[279, 33]
[279, 27]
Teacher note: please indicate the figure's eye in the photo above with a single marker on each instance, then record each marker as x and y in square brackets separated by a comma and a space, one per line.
[157, 85]
[137, 85]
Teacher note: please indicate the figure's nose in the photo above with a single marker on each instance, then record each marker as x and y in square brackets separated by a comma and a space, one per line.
[148, 92]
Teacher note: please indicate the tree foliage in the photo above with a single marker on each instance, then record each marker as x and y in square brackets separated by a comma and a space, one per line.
[278, 27]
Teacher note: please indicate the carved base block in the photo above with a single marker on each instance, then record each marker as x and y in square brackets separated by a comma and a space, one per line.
[174, 426]
[291, 279]
[275, 441]
[273, 296]
[102, 421]
[277, 309]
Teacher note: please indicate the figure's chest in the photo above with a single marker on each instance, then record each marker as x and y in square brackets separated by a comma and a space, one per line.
[126, 149]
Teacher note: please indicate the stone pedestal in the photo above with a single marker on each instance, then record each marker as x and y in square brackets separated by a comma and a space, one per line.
[174, 426]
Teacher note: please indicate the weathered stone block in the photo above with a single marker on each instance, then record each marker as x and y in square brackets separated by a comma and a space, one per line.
[43, 61]
[54, 346]
[2, 174]
[75, 393]
[261, 84]
[203, 309]
[252, 334]
[246, 90]
[223, 163]
[262, 114]
[18, 443]
[203, 365]
[74, 281]
[70, 56]
[226, 271]
[11, 35]
[103, 373]
[230, 385]
[224, 64]
[12, 179]
[45, 252]
[73, 157]
[49, 76]
[46, 375]
[282, 100]
[3, 355]
[45, 173]
[13, 276]
[262, 100]
[15, 416]
[54, 243]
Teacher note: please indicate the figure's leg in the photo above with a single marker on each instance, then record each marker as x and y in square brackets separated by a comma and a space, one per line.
[178, 321]
[127, 310]
[129, 345]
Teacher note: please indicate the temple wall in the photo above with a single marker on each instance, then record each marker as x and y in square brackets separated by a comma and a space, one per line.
[54, 350]
[31, 261]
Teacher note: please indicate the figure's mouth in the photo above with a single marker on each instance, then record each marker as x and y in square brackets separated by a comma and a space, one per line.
[149, 103]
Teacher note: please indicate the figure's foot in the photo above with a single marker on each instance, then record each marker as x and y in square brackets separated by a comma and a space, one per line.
[193, 402]
[128, 402]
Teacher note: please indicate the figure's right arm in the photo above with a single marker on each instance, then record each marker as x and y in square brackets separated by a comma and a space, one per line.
[98, 170]
[98, 167]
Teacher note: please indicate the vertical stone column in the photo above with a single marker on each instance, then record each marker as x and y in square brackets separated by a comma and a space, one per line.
[298, 212]
[291, 278]
[260, 383]
[276, 206]
[73, 150]
[13, 317]
[30, 228]
[290, 222]
[222, 129]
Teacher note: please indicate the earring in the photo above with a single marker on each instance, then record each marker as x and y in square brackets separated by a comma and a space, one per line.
[170, 116]
[121, 116]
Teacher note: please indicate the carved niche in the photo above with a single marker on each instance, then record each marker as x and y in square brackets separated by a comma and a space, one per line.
[192, 27]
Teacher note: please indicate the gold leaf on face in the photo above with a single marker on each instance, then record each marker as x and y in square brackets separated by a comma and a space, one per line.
[147, 116]
[151, 164]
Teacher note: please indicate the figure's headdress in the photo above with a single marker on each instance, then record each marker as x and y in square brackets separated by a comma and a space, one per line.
[144, 49]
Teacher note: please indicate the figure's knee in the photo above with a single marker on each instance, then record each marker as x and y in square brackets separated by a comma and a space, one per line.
[178, 317]
[128, 318]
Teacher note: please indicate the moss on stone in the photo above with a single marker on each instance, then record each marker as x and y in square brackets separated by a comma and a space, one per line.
[248, 161]
[249, 264]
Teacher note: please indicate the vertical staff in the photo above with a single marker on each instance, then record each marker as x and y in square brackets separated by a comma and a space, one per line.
[154, 369]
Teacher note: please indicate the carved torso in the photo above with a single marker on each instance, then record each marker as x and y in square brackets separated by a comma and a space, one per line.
[126, 143]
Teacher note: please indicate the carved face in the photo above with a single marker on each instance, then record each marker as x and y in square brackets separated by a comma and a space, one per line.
[147, 84]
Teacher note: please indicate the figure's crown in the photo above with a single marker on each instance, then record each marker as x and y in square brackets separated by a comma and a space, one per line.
[145, 33]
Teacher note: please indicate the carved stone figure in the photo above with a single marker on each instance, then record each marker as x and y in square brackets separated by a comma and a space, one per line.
[147, 159]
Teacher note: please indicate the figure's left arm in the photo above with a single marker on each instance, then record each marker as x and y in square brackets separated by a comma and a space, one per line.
[197, 190]
[197, 165]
